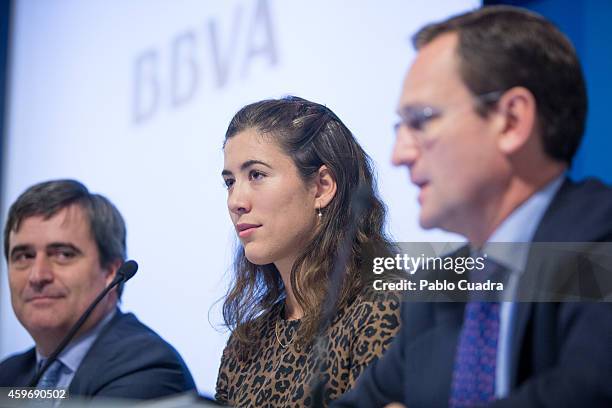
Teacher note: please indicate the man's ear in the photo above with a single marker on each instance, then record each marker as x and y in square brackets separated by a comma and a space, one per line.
[325, 184]
[111, 270]
[517, 110]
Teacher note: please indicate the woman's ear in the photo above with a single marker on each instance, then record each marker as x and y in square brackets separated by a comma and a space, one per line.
[325, 184]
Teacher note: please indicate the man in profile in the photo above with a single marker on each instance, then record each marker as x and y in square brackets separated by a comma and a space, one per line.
[491, 114]
[63, 246]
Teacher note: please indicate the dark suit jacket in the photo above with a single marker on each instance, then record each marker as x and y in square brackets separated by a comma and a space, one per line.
[561, 353]
[127, 360]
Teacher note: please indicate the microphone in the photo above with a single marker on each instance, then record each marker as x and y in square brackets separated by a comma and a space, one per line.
[125, 272]
[360, 203]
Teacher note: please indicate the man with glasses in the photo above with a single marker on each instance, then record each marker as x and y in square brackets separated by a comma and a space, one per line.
[491, 114]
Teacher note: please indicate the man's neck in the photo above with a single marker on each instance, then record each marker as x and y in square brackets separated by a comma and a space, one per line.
[483, 225]
[48, 341]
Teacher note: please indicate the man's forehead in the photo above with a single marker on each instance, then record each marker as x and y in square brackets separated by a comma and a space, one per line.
[71, 219]
[443, 46]
[432, 71]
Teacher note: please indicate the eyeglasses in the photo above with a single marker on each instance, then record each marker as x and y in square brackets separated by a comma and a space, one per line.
[417, 117]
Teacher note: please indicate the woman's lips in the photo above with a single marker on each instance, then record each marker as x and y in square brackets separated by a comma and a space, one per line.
[244, 230]
[245, 233]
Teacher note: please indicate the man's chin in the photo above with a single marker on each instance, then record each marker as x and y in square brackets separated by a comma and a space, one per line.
[43, 321]
[427, 221]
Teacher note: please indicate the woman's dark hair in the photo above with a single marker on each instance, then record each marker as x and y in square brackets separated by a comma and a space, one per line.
[313, 136]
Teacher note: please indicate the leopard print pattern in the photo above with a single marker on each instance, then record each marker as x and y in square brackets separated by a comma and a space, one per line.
[276, 376]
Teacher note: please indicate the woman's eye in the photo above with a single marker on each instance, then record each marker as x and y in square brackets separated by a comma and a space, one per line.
[256, 175]
[228, 182]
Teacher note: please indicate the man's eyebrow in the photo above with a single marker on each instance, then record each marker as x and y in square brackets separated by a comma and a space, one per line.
[245, 166]
[409, 107]
[64, 245]
[402, 110]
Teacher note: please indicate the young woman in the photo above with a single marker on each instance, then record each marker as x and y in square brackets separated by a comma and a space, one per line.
[296, 177]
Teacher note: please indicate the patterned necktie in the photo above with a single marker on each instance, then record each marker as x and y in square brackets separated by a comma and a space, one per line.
[473, 381]
[50, 378]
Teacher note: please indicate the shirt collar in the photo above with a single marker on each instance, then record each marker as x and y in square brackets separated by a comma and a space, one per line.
[75, 352]
[519, 227]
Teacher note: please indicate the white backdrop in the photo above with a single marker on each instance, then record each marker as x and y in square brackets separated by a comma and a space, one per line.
[133, 98]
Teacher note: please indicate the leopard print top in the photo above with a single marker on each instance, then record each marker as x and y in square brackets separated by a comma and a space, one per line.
[277, 376]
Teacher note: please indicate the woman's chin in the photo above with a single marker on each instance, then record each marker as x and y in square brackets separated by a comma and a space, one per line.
[257, 258]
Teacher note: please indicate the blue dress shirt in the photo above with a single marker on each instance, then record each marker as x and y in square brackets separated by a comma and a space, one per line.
[520, 227]
[75, 352]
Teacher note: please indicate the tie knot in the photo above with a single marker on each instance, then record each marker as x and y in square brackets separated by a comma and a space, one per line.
[492, 270]
[51, 377]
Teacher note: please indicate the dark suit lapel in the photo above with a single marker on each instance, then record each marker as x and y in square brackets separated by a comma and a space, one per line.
[522, 313]
[29, 370]
[443, 343]
[430, 356]
[550, 229]
[450, 319]
[88, 369]
[546, 232]
[18, 371]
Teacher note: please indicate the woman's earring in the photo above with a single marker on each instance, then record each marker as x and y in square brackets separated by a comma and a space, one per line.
[319, 213]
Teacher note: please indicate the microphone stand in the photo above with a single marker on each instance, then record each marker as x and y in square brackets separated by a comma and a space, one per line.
[124, 273]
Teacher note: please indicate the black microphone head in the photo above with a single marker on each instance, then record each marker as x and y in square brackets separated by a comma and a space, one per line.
[127, 270]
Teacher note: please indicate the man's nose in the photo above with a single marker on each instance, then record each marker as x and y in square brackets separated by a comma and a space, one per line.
[41, 272]
[406, 149]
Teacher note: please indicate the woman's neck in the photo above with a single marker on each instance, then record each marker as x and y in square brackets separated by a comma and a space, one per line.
[293, 311]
